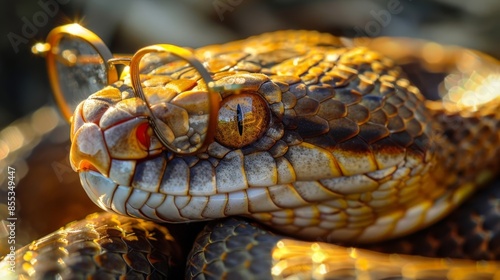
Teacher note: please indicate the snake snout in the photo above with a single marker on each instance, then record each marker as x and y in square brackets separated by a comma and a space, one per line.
[88, 150]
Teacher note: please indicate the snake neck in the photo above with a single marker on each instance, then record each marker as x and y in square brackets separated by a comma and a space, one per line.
[461, 86]
[467, 142]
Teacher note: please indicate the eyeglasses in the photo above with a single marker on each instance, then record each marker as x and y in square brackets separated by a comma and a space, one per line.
[79, 64]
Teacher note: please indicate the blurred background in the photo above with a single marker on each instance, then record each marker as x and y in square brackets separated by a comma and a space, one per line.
[127, 25]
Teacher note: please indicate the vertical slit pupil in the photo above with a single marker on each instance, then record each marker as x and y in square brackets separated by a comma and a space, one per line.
[239, 116]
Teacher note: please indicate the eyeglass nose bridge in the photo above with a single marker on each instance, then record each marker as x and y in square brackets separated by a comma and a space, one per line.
[112, 63]
[119, 60]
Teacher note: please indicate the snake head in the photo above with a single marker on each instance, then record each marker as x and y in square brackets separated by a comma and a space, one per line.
[343, 134]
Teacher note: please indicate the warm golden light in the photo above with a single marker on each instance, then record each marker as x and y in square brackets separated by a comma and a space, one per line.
[75, 28]
[40, 48]
[432, 53]
[464, 91]
[69, 56]
[44, 120]
[318, 257]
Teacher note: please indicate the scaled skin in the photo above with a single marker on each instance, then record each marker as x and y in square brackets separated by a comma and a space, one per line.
[351, 151]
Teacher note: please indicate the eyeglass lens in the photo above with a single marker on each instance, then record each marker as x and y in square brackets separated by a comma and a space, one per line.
[81, 70]
[178, 98]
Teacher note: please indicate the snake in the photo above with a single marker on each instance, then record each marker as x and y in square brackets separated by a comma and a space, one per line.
[323, 145]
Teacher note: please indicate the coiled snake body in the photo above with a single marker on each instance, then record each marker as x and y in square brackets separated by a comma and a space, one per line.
[336, 143]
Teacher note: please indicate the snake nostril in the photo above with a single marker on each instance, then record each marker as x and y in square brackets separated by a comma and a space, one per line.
[86, 165]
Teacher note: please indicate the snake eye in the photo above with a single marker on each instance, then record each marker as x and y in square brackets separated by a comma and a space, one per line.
[143, 134]
[242, 119]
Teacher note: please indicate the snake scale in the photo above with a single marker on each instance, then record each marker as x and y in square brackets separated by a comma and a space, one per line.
[321, 138]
